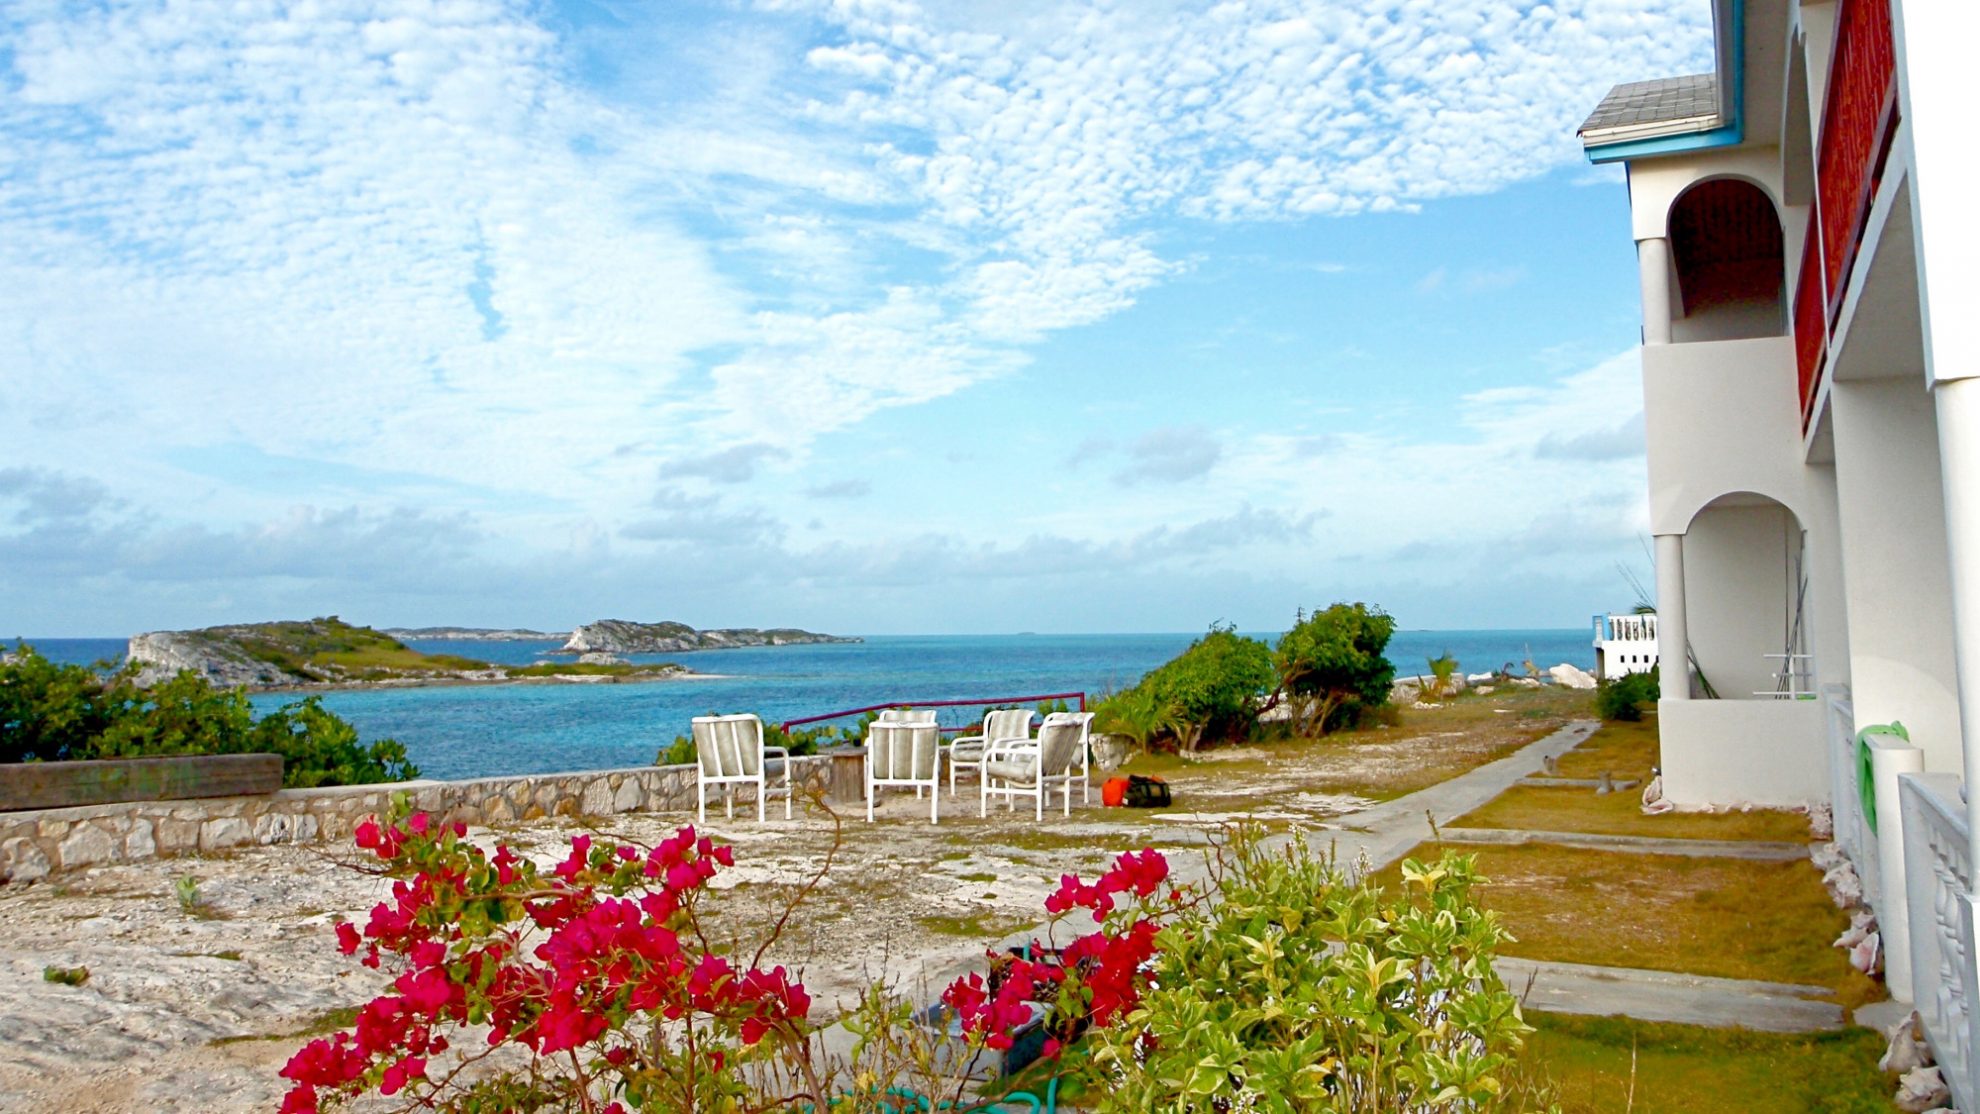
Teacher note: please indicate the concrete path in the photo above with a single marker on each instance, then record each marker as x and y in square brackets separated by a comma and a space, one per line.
[1580, 988]
[1754, 851]
[1387, 831]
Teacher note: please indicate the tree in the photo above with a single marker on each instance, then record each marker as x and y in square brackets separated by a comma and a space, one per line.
[1330, 665]
[1214, 687]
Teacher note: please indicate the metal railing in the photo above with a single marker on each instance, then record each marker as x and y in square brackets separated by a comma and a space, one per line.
[1939, 876]
[983, 702]
[1811, 317]
[1857, 119]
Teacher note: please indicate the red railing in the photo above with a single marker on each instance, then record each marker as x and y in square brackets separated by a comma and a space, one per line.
[981, 703]
[1811, 322]
[1860, 112]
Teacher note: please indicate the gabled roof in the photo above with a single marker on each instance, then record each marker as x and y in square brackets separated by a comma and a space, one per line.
[1648, 109]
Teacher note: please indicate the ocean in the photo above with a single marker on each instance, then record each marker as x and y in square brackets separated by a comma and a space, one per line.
[487, 730]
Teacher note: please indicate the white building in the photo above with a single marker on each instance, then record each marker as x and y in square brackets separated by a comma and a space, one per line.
[1811, 380]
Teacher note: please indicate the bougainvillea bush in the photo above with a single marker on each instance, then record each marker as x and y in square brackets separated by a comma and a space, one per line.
[591, 986]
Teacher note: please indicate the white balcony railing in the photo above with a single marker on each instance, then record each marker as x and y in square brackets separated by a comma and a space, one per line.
[1852, 828]
[1939, 878]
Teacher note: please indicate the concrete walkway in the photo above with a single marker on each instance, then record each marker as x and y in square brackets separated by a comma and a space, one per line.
[1581, 988]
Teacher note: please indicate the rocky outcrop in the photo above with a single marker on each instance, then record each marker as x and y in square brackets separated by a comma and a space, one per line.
[620, 636]
[162, 655]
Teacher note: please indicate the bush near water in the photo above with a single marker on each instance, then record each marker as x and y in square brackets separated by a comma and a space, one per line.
[51, 712]
[1328, 671]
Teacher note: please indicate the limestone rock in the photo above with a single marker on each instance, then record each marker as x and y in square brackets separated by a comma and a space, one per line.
[162, 655]
[1568, 676]
[86, 846]
[1109, 751]
[621, 636]
[597, 657]
[1844, 887]
[225, 831]
[22, 861]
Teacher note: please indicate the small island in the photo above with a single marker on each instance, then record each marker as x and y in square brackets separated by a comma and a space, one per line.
[330, 653]
[475, 634]
[621, 636]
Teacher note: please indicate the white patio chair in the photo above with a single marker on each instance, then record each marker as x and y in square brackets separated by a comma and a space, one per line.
[728, 752]
[1085, 759]
[967, 750]
[901, 755]
[1029, 768]
[907, 715]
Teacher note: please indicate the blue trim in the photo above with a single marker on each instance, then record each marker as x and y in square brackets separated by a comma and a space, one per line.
[1729, 134]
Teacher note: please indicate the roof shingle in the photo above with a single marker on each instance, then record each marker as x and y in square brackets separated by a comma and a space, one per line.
[1640, 106]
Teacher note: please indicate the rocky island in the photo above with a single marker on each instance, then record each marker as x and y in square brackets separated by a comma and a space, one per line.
[620, 636]
[476, 634]
[330, 653]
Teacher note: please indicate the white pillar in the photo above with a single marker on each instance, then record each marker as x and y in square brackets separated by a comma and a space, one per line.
[1653, 265]
[1673, 654]
[1958, 404]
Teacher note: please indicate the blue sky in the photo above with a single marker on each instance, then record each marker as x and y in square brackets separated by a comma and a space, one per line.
[861, 315]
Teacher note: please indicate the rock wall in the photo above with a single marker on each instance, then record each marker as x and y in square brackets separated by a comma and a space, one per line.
[37, 843]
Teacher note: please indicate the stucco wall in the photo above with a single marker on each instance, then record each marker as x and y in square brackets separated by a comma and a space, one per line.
[1733, 752]
[36, 843]
[1895, 564]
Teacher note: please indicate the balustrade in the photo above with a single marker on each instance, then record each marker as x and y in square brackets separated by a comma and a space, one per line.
[1939, 876]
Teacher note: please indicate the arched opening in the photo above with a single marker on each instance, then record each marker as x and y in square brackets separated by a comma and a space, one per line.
[1726, 247]
[1746, 599]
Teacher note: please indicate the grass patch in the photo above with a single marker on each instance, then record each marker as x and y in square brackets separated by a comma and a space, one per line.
[1723, 917]
[979, 926]
[978, 876]
[1686, 1069]
[230, 956]
[1580, 810]
[323, 1024]
[1622, 749]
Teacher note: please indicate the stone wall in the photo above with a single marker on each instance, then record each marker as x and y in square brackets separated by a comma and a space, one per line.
[34, 844]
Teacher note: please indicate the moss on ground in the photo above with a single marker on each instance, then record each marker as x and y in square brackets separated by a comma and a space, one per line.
[1610, 1064]
[1581, 810]
[1705, 916]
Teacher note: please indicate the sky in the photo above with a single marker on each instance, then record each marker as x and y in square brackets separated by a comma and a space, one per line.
[868, 316]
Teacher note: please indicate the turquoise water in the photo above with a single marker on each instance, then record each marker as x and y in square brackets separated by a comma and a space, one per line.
[484, 730]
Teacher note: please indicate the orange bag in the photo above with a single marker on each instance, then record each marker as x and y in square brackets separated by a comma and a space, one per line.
[1113, 792]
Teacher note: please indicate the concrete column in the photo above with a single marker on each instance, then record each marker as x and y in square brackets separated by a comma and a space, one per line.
[1673, 657]
[1958, 405]
[1653, 265]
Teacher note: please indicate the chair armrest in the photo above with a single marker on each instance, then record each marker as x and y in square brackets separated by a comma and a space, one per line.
[1006, 748]
[960, 739]
[783, 752]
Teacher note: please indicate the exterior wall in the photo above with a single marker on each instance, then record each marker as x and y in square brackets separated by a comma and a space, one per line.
[1894, 561]
[1720, 417]
[1725, 752]
[34, 844]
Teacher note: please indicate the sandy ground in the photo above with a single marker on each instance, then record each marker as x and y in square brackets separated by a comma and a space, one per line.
[186, 1012]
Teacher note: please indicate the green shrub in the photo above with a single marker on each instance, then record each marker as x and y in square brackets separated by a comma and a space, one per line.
[1303, 990]
[1136, 713]
[1624, 697]
[1214, 687]
[51, 712]
[1330, 665]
